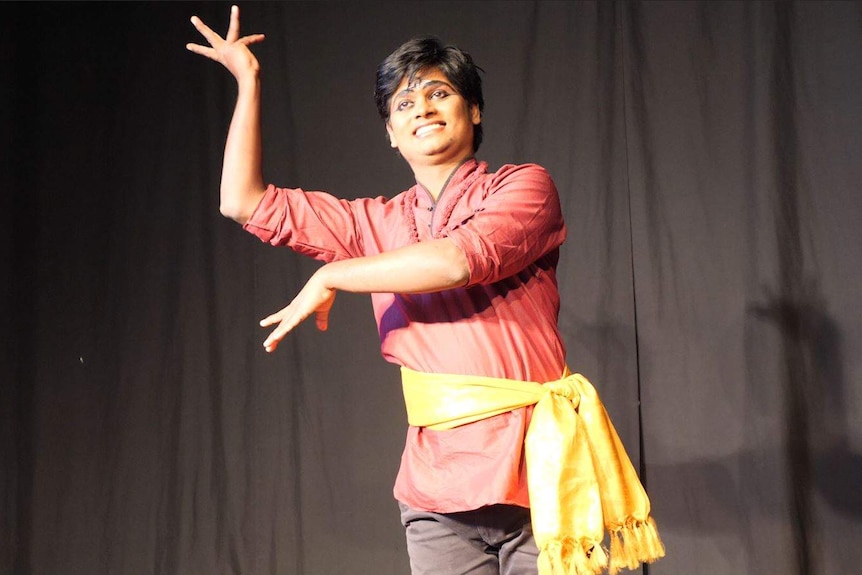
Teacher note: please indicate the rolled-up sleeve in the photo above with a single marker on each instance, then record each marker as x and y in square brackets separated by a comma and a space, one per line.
[518, 221]
[315, 224]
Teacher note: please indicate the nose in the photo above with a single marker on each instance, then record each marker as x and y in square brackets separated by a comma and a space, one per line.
[423, 108]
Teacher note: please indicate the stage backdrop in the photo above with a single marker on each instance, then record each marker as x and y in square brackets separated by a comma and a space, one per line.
[707, 156]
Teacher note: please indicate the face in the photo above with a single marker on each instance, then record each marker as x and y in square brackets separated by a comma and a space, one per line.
[430, 122]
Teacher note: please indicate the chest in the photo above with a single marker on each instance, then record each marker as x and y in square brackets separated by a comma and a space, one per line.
[453, 209]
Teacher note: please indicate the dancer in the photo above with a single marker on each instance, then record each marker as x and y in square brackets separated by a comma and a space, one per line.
[461, 268]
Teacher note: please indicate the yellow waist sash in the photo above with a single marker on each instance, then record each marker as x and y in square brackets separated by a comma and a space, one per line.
[580, 479]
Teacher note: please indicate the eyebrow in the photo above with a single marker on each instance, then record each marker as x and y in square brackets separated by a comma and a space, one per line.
[422, 85]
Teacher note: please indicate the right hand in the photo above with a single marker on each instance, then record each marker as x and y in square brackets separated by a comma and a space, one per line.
[231, 51]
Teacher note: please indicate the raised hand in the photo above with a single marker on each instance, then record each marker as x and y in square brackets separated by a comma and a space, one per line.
[231, 51]
[314, 298]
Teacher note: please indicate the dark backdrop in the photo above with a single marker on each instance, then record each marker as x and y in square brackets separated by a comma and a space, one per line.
[707, 155]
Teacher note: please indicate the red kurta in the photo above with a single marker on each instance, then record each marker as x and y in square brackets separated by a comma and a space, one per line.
[502, 324]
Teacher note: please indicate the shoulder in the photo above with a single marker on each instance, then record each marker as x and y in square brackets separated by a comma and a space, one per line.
[532, 173]
[521, 178]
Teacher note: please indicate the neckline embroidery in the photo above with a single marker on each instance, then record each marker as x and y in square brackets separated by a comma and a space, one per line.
[453, 199]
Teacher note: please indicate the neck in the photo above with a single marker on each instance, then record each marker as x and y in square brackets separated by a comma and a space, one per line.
[434, 177]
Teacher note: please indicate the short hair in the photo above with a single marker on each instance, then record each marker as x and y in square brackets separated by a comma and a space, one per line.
[429, 52]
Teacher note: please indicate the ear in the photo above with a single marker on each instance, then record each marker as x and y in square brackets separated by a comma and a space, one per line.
[475, 114]
[391, 133]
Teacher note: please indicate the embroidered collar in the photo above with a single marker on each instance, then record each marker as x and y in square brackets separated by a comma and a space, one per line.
[456, 186]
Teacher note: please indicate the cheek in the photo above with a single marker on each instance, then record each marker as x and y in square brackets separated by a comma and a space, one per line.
[396, 130]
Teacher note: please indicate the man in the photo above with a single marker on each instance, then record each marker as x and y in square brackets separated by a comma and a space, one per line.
[461, 270]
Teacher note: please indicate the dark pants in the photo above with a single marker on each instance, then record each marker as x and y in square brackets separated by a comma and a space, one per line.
[495, 540]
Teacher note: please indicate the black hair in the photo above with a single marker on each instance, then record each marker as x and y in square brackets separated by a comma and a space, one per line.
[428, 52]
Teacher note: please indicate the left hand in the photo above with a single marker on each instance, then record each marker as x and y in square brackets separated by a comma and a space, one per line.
[313, 298]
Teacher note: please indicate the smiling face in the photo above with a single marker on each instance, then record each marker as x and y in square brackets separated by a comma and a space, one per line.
[430, 123]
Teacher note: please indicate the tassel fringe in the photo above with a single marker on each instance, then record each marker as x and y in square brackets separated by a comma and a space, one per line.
[635, 543]
[569, 557]
[632, 544]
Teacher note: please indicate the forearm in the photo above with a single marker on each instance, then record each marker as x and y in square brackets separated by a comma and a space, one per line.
[242, 180]
[242, 177]
[420, 268]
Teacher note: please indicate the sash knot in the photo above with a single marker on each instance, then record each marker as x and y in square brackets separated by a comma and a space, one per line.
[565, 388]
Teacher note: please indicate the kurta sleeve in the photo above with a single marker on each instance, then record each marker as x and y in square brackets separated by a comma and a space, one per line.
[316, 224]
[518, 221]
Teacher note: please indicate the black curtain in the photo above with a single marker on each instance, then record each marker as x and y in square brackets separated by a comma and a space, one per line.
[707, 155]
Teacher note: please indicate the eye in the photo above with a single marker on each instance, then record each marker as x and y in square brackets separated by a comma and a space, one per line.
[403, 105]
[438, 94]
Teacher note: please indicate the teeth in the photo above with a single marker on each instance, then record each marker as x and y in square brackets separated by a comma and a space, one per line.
[425, 129]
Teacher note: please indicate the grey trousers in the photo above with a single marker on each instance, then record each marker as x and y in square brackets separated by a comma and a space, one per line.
[494, 540]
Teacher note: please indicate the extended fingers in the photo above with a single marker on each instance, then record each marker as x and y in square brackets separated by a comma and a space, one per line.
[274, 339]
[217, 42]
[286, 322]
[206, 31]
[274, 318]
[210, 37]
[233, 27]
[310, 300]
[252, 39]
[202, 50]
[283, 328]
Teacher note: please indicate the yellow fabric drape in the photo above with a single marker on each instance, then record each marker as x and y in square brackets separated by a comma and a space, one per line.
[580, 479]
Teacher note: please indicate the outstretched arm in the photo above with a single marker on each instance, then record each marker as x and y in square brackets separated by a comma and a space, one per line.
[419, 268]
[242, 178]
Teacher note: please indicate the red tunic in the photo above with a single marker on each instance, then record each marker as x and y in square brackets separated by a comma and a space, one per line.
[502, 324]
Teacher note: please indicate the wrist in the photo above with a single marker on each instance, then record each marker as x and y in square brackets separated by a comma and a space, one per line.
[249, 80]
[325, 276]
